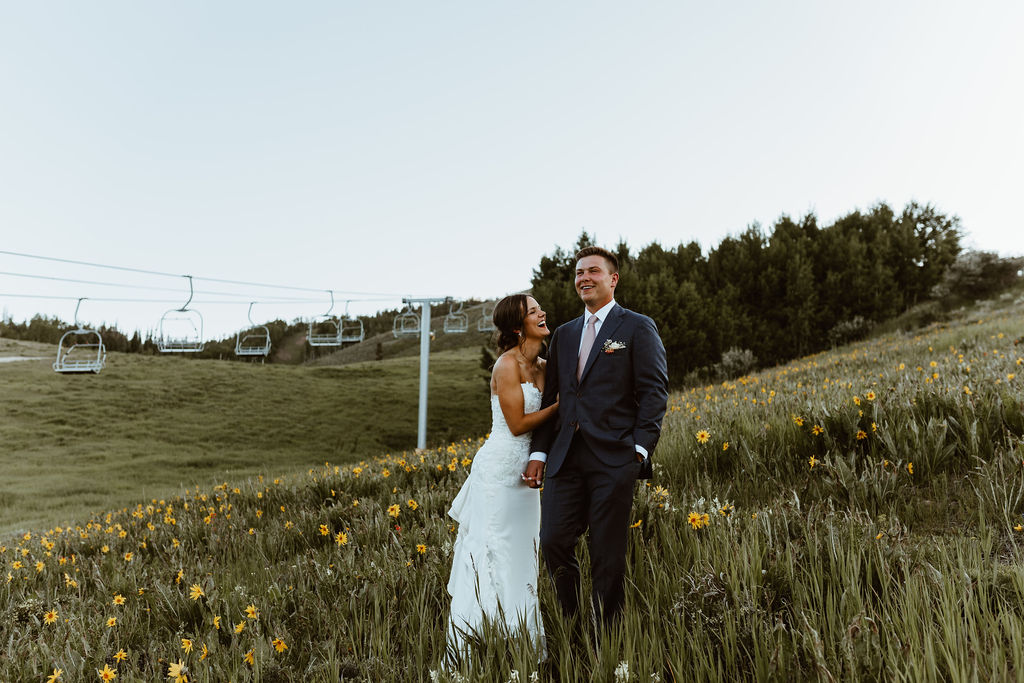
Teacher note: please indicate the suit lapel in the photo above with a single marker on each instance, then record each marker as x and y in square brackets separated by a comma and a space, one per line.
[570, 351]
[608, 328]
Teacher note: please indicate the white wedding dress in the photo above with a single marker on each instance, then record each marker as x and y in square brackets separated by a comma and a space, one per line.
[494, 568]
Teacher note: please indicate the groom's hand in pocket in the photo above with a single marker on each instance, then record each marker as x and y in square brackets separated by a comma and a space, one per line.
[534, 475]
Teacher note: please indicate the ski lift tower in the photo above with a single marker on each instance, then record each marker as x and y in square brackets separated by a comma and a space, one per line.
[421, 434]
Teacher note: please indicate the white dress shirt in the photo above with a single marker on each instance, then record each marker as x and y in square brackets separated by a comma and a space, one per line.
[602, 315]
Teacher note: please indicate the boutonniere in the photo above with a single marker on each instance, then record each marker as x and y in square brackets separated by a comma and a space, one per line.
[613, 346]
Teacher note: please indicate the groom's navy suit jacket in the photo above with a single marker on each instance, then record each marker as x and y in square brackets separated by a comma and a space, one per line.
[620, 399]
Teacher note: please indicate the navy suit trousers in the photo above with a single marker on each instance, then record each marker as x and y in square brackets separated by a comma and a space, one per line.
[586, 493]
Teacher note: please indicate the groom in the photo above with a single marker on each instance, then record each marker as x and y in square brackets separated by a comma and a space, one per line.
[607, 369]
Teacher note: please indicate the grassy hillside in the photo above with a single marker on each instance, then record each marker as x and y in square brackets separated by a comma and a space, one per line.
[148, 426]
[854, 515]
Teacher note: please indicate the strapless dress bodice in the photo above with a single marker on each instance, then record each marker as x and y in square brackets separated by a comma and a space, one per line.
[502, 458]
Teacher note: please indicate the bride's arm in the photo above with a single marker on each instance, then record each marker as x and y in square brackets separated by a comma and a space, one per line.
[510, 398]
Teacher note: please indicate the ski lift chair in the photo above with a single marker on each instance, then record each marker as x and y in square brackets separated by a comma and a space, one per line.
[486, 321]
[456, 322]
[255, 341]
[181, 329]
[75, 354]
[326, 329]
[407, 323]
[351, 329]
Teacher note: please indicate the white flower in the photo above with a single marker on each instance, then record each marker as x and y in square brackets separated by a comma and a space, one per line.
[513, 677]
[534, 677]
[622, 672]
[434, 676]
[610, 346]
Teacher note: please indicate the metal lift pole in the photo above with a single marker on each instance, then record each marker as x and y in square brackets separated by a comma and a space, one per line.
[421, 434]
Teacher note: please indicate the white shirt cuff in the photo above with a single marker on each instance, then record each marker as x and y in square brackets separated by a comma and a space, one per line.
[539, 456]
[641, 450]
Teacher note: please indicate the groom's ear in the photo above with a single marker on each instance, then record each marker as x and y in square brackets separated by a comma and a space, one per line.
[615, 279]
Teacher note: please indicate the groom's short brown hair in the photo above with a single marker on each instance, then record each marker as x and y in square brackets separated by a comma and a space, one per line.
[612, 259]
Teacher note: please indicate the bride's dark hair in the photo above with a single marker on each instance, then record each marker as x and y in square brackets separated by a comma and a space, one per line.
[509, 314]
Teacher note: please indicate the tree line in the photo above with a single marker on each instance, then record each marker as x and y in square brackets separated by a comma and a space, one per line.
[766, 296]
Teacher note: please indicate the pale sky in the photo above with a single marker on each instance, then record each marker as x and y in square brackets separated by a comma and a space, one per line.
[415, 148]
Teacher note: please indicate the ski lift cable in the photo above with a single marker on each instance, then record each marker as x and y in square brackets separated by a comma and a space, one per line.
[127, 286]
[176, 275]
[170, 301]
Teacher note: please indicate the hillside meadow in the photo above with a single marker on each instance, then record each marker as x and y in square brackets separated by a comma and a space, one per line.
[147, 426]
[853, 515]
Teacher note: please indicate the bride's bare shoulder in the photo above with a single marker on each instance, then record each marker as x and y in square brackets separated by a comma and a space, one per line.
[505, 366]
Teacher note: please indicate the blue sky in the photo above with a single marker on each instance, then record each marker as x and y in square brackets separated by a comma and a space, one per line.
[443, 148]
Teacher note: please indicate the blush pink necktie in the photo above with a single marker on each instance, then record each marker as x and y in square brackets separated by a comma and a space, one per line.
[588, 342]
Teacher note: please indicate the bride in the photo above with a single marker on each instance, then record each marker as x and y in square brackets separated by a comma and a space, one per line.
[494, 568]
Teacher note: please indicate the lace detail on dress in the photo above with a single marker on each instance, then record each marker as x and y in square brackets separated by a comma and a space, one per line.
[503, 457]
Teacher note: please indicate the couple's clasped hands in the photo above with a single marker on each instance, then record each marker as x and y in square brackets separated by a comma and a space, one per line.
[534, 474]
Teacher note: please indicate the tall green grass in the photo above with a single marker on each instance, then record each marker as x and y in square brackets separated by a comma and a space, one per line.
[883, 545]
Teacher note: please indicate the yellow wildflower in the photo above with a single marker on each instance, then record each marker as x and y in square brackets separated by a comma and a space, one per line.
[697, 520]
[177, 671]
